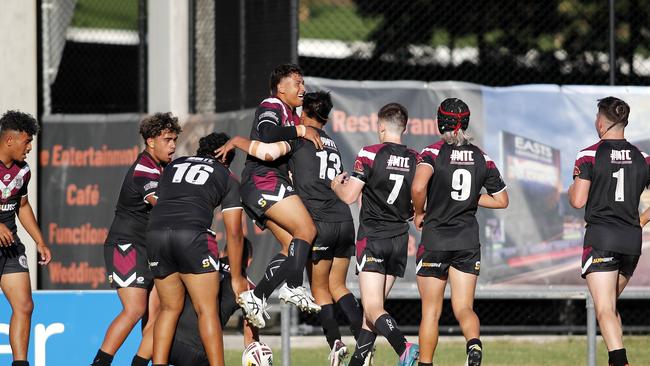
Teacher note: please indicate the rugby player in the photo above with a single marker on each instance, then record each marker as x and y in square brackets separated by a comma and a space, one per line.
[448, 181]
[17, 130]
[270, 199]
[609, 177]
[312, 171]
[182, 251]
[187, 348]
[125, 248]
[383, 173]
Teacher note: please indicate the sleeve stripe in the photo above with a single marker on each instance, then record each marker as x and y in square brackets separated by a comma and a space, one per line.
[644, 154]
[591, 153]
[487, 158]
[353, 177]
[278, 102]
[367, 154]
[501, 190]
[142, 168]
[265, 121]
[232, 208]
[433, 151]
[149, 194]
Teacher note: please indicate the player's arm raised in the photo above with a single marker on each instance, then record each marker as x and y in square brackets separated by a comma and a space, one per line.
[261, 150]
[423, 175]
[28, 220]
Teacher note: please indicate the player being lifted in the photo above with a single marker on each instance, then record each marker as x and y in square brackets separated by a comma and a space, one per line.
[383, 173]
[448, 182]
[269, 197]
[126, 240]
[312, 171]
[182, 251]
[609, 178]
[16, 134]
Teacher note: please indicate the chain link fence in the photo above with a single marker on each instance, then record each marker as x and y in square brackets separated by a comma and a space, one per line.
[93, 56]
[502, 42]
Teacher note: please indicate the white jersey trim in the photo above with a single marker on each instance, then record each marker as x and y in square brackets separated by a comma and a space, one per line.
[142, 168]
[367, 154]
[582, 154]
[278, 102]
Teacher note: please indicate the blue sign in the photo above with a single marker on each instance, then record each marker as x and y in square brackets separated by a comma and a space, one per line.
[68, 327]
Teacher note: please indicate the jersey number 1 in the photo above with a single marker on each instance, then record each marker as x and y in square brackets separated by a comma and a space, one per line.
[196, 174]
[619, 194]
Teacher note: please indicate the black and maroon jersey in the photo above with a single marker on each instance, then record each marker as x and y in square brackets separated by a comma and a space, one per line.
[13, 187]
[190, 189]
[312, 172]
[132, 209]
[387, 170]
[619, 172]
[459, 174]
[275, 112]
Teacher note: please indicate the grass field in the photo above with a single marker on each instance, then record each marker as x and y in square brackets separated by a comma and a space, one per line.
[570, 352]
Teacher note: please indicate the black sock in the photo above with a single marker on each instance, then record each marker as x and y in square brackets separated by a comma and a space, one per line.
[425, 364]
[275, 274]
[352, 312]
[472, 342]
[139, 361]
[364, 345]
[329, 324]
[299, 251]
[20, 363]
[102, 359]
[387, 326]
[618, 357]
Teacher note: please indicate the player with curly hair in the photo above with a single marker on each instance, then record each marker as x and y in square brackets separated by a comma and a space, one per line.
[16, 134]
[125, 248]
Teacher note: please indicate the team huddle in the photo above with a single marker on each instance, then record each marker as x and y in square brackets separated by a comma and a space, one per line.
[169, 272]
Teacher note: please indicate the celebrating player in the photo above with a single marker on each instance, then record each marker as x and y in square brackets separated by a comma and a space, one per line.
[383, 173]
[269, 197]
[126, 240]
[16, 134]
[182, 251]
[312, 171]
[609, 178]
[449, 179]
[187, 348]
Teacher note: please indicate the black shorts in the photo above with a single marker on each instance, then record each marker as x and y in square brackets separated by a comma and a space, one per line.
[182, 250]
[182, 354]
[436, 263]
[126, 264]
[259, 193]
[13, 259]
[386, 256]
[334, 239]
[598, 260]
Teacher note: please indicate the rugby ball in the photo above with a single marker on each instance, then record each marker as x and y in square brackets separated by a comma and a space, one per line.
[257, 354]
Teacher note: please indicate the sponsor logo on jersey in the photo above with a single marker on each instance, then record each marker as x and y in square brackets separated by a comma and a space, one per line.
[6, 177]
[373, 259]
[151, 185]
[462, 157]
[268, 114]
[22, 260]
[398, 163]
[621, 157]
[140, 280]
[328, 143]
[153, 264]
[7, 207]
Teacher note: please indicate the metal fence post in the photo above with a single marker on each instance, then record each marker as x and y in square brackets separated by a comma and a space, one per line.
[285, 333]
[591, 330]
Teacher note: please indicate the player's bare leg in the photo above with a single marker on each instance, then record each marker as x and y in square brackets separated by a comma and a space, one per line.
[603, 288]
[463, 286]
[337, 277]
[319, 281]
[290, 214]
[432, 291]
[146, 344]
[203, 289]
[134, 305]
[171, 292]
[16, 287]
